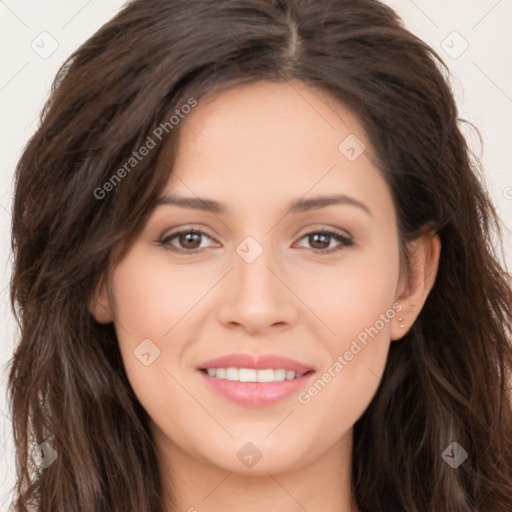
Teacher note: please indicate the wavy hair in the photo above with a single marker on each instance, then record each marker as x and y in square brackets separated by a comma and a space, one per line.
[448, 379]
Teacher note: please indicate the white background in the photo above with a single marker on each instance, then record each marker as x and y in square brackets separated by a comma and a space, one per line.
[483, 88]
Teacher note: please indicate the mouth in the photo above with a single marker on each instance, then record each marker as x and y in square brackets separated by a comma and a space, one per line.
[255, 380]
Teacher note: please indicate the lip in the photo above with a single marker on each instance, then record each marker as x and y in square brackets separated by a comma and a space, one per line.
[256, 394]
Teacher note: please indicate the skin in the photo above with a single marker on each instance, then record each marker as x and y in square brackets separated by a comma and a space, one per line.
[255, 148]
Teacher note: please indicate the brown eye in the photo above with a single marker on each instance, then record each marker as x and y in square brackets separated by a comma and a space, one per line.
[190, 240]
[321, 240]
[185, 241]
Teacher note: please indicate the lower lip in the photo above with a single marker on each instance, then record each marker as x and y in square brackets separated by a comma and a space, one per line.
[256, 393]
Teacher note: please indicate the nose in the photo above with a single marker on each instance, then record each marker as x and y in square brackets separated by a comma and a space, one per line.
[258, 297]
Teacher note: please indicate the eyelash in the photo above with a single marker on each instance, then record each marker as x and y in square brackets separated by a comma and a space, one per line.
[344, 241]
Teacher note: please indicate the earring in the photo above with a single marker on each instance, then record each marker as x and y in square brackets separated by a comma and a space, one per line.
[401, 320]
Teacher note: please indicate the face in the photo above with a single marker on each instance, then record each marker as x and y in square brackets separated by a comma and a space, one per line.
[308, 293]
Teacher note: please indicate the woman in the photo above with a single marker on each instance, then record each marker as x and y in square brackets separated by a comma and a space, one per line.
[254, 269]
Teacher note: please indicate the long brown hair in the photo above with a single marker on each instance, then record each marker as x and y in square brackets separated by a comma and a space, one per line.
[448, 380]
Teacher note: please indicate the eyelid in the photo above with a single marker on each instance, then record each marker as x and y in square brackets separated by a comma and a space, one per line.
[185, 229]
[318, 228]
[344, 239]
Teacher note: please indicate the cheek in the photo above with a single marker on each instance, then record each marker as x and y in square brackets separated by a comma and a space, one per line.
[152, 296]
[358, 307]
[352, 295]
[152, 300]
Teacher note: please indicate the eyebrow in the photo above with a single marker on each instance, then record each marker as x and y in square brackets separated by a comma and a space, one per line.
[295, 206]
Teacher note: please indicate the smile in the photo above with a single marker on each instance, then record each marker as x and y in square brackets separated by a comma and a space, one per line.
[255, 380]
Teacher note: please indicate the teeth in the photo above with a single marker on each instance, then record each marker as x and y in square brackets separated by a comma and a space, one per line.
[231, 374]
[266, 376]
[247, 375]
[252, 375]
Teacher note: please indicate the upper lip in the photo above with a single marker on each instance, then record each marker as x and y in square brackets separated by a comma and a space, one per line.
[258, 362]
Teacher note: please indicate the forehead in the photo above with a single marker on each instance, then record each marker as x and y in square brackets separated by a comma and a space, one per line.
[281, 118]
[269, 141]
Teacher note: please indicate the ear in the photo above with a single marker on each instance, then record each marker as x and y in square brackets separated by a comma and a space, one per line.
[99, 303]
[414, 288]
